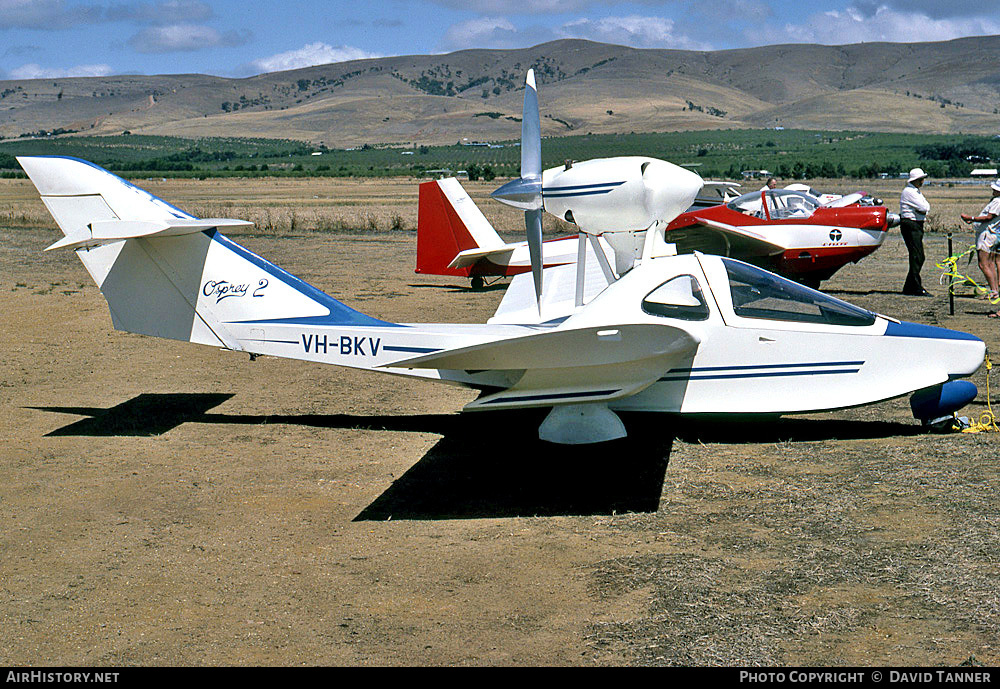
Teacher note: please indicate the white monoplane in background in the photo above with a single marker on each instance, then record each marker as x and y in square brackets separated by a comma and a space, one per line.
[658, 332]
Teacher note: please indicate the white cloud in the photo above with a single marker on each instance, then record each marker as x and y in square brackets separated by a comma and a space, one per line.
[864, 24]
[46, 14]
[932, 8]
[482, 32]
[634, 30]
[182, 38]
[34, 71]
[312, 54]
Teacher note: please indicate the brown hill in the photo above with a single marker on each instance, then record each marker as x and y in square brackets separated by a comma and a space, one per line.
[585, 87]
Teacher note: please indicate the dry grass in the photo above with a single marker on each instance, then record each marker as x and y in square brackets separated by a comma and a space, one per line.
[325, 516]
[289, 206]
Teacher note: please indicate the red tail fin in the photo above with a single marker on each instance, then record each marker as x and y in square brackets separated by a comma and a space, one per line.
[440, 233]
[448, 222]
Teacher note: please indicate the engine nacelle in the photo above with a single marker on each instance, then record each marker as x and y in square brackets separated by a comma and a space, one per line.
[622, 194]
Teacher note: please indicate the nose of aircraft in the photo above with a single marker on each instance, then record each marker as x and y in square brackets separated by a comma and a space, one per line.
[669, 189]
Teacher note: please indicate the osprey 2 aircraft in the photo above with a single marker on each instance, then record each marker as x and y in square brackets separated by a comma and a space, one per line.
[682, 334]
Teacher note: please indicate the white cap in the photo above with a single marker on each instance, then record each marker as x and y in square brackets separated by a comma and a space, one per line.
[995, 186]
[916, 173]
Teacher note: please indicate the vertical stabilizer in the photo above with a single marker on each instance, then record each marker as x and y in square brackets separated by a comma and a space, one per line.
[166, 273]
[448, 222]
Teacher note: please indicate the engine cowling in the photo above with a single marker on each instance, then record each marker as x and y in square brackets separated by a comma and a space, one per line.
[621, 194]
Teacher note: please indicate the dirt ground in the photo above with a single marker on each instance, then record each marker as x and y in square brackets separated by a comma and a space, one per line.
[165, 503]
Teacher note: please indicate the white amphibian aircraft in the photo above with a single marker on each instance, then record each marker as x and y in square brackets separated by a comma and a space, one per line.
[691, 334]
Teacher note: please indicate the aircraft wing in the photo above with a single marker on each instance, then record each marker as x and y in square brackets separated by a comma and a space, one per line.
[498, 255]
[846, 200]
[567, 366]
[704, 236]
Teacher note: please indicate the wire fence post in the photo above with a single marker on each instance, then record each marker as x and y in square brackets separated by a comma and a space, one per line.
[951, 283]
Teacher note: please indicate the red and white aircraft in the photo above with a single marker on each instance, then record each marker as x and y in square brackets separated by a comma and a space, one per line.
[787, 231]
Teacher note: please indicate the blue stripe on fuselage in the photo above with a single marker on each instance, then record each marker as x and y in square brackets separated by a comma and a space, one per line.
[577, 187]
[580, 190]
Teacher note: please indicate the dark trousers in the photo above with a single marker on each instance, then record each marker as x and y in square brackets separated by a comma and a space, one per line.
[913, 237]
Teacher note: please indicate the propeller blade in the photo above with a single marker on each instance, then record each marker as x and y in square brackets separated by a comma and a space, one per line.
[531, 131]
[533, 227]
[525, 192]
[531, 173]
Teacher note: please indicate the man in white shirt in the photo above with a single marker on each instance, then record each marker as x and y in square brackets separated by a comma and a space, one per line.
[913, 209]
[987, 237]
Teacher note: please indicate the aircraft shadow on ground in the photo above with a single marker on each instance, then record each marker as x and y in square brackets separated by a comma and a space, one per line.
[493, 465]
[491, 287]
[143, 415]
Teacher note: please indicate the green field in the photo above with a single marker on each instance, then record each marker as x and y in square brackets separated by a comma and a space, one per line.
[713, 154]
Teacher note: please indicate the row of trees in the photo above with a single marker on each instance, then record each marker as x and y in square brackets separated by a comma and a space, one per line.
[811, 170]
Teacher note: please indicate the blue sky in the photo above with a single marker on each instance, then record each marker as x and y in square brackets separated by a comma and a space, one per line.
[58, 38]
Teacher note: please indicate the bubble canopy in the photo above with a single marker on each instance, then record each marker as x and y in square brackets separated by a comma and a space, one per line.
[759, 294]
[780, 203]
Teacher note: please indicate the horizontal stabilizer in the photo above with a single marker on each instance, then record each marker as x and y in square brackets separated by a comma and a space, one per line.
[106, 231]
[469, 257]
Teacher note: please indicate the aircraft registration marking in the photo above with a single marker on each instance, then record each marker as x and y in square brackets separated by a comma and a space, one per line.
[351, 345]
[346, 345]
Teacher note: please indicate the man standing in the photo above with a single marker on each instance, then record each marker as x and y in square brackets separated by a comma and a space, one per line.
[987, 237]
[913, 209]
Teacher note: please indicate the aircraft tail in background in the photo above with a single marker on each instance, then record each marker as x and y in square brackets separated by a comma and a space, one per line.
[455, 238]
[449, 223]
